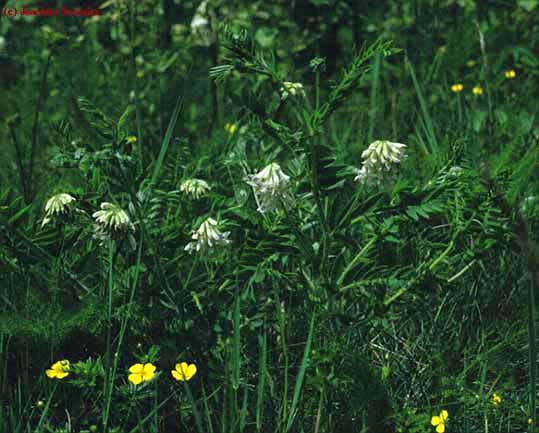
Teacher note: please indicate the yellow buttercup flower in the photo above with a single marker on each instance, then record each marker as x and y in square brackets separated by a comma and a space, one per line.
[457, 88]
[141, 373]
[231, 128]
[438, 421]
[477, 90]
[184, 371]
[510, 74]
[496, 399]
[131, 139]
[58, 370]
[530, 421]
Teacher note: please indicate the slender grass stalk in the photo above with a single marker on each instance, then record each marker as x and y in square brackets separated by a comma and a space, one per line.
[23, 177]
[150, 415]
[168, 137]
[319, 412]
[123, 328]
[301, 376]
[284, 348]
[108, 383]
[45, 410]
[373, 112]
[356, 259]
[244, 409]
[236, 346]
[132, 15]
[429, 124]
[205, 400]
[262, 343]
[532, 351]
[196, 413]
[35, 126]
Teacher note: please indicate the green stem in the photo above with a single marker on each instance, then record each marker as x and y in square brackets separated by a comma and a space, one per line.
[356, 259]
[108, 377]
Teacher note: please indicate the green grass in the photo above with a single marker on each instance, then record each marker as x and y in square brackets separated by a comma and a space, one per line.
[346, 306]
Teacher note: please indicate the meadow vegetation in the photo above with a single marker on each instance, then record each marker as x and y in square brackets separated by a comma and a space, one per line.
[288, 216]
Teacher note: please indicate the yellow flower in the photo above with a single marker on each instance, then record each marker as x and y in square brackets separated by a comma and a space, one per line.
[496, 399]
[141, 373]
[457, 88]
[477, 90]
[438, 421]
[131, 139]
[471, 63]
[184, 371]
[510, 74]
[58, 370]
[530, 421]
[231, 128]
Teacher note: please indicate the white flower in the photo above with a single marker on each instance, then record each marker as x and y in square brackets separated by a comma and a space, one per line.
[207, 236]
[201, 26]
[378, 161]
[112, 218]
[57, 205]
[270, 187]
[290, 88]
[455, 171]
[195, 187]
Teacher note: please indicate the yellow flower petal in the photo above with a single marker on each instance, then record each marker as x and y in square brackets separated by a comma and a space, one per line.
[435, 420]
[57, 365]
[136, 369]
[187, 371]
[61, 375]
[149, 368]
[444, 415]
[440, 428]
[147, 376]
[51, 373]
[191, 371]
[135, 378]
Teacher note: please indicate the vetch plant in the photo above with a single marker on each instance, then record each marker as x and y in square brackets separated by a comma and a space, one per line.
[196, 188]
[207, 236]
[379, 161]
[57, 206]
[112, 219]
[270, 187]
[201, 26]
[290, 88]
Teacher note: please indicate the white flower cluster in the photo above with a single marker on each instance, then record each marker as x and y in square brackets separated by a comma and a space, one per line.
[291, 89]
[201, 26]
[195, 187]
[112, 218]
[207, 236]
[378, 161]
[56, 206]
[270, 187]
